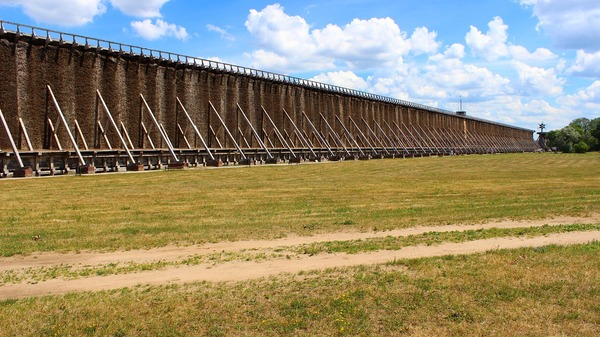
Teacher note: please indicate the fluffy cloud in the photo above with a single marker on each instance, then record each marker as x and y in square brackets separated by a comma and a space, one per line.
[572, 24]
[363, 44]
[81, 12]
[586, 65]
[142, 9]
[424, 41]
[346, 79]
[61, 12]
[538, 81]
[279, 32]
[491, 45]
[586, 98]
[153, 31]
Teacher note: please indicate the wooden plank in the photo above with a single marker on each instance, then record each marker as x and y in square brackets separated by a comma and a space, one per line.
[227, 130]
[62, 117]
[54, 134]
[184, 137]
[11, 140]
[24, 131]
[160, 129]
[189, 118]
[104, 135]
[114, 124]
[81, 134]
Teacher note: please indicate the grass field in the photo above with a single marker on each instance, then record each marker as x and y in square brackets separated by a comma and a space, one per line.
[542, 291]
[129, 211]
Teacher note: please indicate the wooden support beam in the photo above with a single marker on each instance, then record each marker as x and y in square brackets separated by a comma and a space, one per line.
[158, 126]
[334, 134]
[11, 140]
[104, 135]
[189, 118]
[348, 134]
[374, 135]
[389, 140]
[53, 130]
[62, 117]
[406, 151]
[360, 133]
[278, 133]
[124, 129]
[114, 124]
[80, 133]
[184, 137]
[256, 135]
[227, 130]
[299, 134]
[23, 130]
[318, 134]
[145, 131]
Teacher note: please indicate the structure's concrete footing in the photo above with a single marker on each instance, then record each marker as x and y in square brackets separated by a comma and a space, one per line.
[177, 166]
[135, 167]
[23, 172]
[86, 169]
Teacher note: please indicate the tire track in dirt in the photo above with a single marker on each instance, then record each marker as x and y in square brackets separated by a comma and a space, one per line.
[246, 270]
[175, 253]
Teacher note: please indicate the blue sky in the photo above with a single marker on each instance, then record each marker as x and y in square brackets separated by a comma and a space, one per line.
[514, 61]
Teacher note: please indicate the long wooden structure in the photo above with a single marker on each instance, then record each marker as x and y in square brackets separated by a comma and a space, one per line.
[145, 109]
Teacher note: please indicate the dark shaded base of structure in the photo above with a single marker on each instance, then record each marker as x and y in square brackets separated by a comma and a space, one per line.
[51, 162]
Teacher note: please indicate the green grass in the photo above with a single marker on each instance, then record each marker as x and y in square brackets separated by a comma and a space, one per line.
[547, 291]
[541, 291]
[131, 211]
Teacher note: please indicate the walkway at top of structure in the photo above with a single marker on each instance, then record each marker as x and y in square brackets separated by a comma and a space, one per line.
[53, 36]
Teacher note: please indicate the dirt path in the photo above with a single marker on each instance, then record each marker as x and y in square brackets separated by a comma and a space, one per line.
[244, 270]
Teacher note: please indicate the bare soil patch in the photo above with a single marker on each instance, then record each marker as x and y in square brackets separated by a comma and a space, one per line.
[244, 270]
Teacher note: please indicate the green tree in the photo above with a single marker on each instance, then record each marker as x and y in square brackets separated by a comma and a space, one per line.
[581, 147]
[595, 132]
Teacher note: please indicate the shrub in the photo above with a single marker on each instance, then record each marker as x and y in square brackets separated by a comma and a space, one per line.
[581, 147]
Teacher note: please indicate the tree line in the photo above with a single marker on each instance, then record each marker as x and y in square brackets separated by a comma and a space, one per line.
[581, 135]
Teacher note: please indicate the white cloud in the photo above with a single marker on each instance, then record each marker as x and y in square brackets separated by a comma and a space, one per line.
[423, 41]
[60, 12]
[153, 31]
[221, 31]
[279, 32]
[346, 79]
[572, 24]
[142, 9]
[521, 53]
[491, 45]
[364, 44]
[538, 81]
[586, 65]
[587, 98]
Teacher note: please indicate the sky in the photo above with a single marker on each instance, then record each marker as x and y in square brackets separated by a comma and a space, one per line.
[520, 62]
